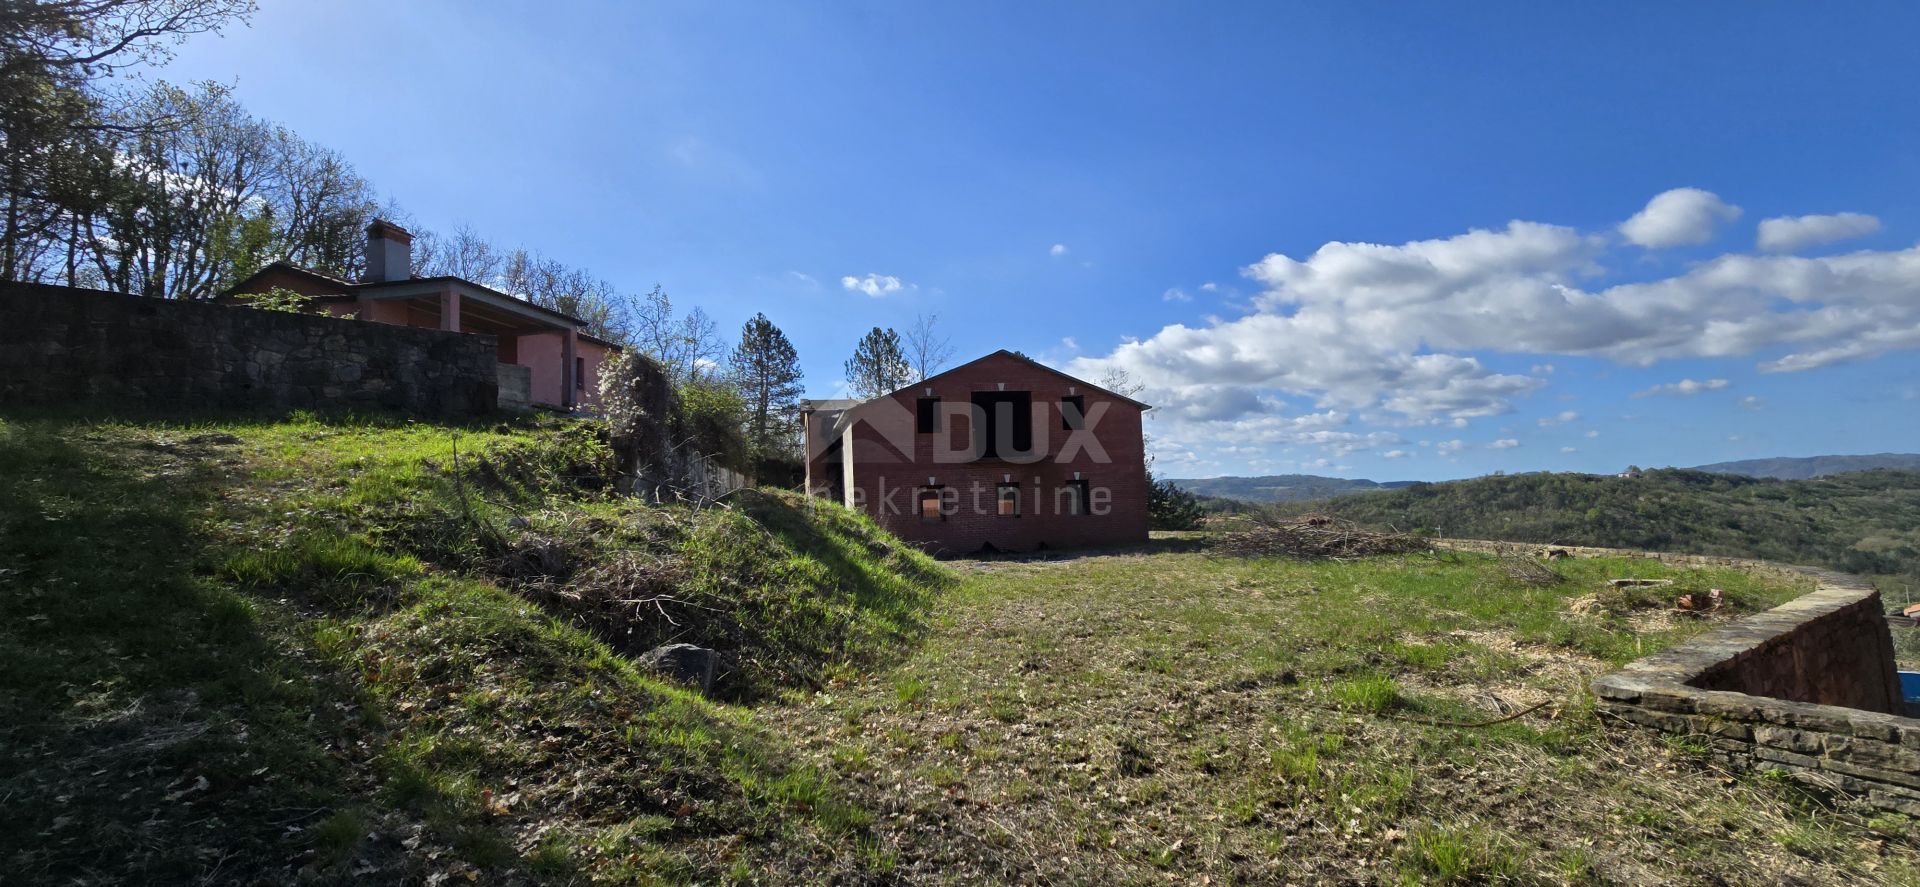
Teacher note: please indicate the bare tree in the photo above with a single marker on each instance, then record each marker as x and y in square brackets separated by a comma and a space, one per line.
[688, 346]
[926, 349]
[466, 255]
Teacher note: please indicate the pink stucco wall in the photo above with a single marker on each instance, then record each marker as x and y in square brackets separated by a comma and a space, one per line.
[542, 353]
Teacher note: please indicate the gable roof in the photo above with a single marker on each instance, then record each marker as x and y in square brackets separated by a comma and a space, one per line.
[346, 287]
[1028, 361]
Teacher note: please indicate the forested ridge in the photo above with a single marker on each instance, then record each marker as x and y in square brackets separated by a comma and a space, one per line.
[1865, 522]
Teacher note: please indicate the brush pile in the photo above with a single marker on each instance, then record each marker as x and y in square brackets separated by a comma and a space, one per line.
[1316, 537]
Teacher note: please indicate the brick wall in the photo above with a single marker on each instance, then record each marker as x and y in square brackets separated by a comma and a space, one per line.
[61, 345]
[892, 465]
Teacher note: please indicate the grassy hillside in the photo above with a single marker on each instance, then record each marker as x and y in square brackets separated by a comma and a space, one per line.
[1806, 467]
[318, 651]
[381, 652]
[1866, 523]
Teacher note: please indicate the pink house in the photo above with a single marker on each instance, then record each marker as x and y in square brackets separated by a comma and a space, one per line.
[546, 357]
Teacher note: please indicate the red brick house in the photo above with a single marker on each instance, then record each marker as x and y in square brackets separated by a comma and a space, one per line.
[546, 357]
[1000, 454]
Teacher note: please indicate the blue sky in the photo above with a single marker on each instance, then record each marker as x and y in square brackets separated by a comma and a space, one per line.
[1266, 214]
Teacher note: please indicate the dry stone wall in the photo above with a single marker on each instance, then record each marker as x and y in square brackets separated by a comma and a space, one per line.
[1808, 688]
[63, 345]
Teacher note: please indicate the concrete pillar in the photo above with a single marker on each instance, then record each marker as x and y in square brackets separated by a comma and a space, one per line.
[450, 309]
[569, 350]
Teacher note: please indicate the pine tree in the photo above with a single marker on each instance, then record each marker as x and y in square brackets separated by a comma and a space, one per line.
[879, 365]
[767, 371]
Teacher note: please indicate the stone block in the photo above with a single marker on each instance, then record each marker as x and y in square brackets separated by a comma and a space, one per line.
[1872, 753]
[1788, 738]
[1779, 756]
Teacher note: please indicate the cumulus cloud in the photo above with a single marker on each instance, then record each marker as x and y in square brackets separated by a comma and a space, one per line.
[1684, 388]
[1059, 249]
[1592, 434]
[1395, 454]
[1680, 217]
[1449, 447]
[1563, 418]
[1569, 449]
[1209, 287]
[1751, 402]
[1407, 335]
[875, 285]
[1505, 443]
[1175, 294]
[1788, 233]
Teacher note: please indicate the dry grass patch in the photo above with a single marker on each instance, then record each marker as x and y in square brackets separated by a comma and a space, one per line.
[1172, 717]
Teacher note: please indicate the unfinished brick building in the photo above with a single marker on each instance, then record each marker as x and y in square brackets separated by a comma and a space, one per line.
[999, 454]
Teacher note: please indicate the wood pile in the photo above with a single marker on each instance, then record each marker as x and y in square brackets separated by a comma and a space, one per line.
[1317, 537]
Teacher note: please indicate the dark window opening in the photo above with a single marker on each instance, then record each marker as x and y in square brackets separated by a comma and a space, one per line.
[1004, 418]
[1076, 497]
[580, 373]
[1073, 412]
[930, 505]
[1009, 500]
[926, 415]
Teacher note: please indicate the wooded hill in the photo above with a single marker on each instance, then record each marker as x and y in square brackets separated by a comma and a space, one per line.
[1864, 522]
[1802, 468]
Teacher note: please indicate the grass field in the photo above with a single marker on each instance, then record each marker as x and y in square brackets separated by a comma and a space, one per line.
[1174, 717]
[343, 651]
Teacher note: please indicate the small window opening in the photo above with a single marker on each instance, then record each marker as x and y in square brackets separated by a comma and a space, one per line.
[1075, 494]
[1073, 412]
[1009, 500]
[930, 510]
[926, 416]
[580, 373]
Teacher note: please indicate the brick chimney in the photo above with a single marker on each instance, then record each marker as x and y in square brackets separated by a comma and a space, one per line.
[389, 252]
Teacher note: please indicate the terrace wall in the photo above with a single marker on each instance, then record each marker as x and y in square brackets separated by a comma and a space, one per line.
[62, 345]
[1808, 688]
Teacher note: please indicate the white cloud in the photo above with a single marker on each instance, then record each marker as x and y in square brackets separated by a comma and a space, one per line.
[1505, 443]
[1449, 447]
[1788, 233]
[1405, 335]
[875, 285]
[803, 278]
[1175, 294]
[1563, 418]
[1070, 343]
[1679, 217]
[1209, 287]
[1684, 388]
[1395, 454]
[1751, 402]
[1059, 249]
[1592, 434]
[1569, 449]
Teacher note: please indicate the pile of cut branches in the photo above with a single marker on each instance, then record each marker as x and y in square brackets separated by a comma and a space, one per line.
[1317, 536]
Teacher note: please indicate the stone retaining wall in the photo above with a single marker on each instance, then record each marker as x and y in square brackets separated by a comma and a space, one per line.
[62, 345]
[1808, 688]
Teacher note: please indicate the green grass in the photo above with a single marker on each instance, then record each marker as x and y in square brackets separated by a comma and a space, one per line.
[306, 648]
[338, 650]
[1126, 718]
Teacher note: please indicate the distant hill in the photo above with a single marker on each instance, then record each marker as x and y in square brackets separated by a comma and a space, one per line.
[1814, 466]
[1282, 487]
[1865, 522]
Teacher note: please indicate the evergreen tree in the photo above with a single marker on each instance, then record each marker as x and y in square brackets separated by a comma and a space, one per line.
[767, 371]
[879, 365]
